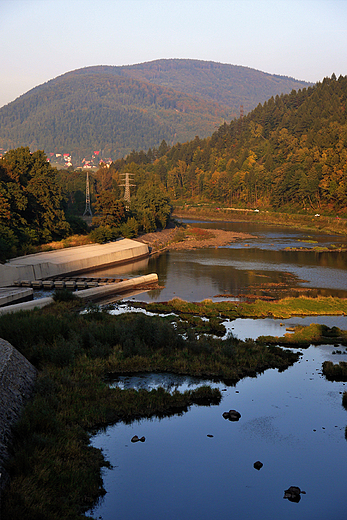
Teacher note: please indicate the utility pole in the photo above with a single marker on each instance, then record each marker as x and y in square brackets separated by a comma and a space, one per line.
[127, 187]
[88, 210]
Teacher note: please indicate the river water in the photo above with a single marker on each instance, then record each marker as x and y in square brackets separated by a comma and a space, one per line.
[197, 465]
[255, 266]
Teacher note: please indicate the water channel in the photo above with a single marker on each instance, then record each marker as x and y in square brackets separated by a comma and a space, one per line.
[197, 465]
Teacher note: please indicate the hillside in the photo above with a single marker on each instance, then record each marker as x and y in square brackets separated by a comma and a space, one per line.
[290, 152]
[119, 109]
[228, 85]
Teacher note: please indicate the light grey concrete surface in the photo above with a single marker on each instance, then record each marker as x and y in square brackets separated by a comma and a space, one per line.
[14, 294]
[92, 294]
[17, 378]
[70, 260]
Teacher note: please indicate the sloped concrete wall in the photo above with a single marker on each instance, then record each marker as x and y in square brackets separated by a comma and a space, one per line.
[71, 260]
[17, 378]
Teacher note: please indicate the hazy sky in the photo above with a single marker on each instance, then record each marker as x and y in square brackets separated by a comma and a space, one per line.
[42, 39]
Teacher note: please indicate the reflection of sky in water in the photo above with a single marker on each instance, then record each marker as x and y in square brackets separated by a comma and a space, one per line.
[237, 269]
[293, 422]
[315, 276]
[271, 237]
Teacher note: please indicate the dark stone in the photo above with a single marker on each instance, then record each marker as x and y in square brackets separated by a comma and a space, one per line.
[138, 439]
[293, 494]
[258, 465]
[232, 415]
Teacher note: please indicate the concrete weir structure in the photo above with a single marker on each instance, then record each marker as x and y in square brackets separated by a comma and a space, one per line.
[71, 260]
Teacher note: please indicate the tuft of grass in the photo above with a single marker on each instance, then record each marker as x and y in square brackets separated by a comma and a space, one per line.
[313, 334]
[336, 372]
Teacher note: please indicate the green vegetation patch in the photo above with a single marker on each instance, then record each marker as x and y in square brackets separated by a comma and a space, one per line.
[336, 372]
[313, 334]
[54, 472]
[284, 308]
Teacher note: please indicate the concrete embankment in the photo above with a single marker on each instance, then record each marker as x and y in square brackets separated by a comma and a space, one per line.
[71, 260]
[17, 377]
[91, 294]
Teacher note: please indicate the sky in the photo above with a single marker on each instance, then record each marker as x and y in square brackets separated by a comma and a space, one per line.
[42, 39]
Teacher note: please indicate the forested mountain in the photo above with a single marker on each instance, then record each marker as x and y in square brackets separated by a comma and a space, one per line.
[228, 85]
[289, 152]
[119, 109]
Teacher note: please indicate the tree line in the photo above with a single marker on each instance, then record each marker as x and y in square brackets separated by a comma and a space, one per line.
[288, 153]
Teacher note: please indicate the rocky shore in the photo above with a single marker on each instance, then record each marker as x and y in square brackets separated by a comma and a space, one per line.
[184, 238]
[17, 377]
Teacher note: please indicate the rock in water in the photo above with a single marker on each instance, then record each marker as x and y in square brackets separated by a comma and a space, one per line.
[293, 493]
[232, 415]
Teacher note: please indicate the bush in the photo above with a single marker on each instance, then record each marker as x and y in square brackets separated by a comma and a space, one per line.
[130, 228]
[77, 224]
[104, 234]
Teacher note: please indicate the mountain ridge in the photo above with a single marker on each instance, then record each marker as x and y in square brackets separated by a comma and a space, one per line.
[117, 109]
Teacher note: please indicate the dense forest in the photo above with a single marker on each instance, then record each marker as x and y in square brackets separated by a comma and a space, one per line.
[227, 85]
[118, 109]
[289, 152]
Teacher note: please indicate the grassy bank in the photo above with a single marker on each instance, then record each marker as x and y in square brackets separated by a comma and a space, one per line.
[329, 224]
[55, 473]
[285, 308]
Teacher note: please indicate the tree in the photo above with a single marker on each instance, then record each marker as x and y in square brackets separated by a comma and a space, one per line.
[151, 207]
[109, 211]
[31, 198]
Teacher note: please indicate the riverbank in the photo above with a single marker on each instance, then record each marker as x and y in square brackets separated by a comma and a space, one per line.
[189, 237]
[315, 222]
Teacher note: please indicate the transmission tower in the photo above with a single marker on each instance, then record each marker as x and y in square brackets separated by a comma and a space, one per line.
[88, 210]
[127, 185]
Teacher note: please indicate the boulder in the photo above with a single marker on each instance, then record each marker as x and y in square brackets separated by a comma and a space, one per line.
[232, 415]
[293, 493]
[138, 439]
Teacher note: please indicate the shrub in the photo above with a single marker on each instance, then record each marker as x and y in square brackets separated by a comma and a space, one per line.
[104, 234]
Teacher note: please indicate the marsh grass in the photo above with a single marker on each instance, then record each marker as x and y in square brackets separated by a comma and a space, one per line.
[284, 308]
[54, 472]
[336, 372]
[304, 336]
[298, 221]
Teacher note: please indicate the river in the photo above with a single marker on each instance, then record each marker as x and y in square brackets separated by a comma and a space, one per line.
[197, 465]
[254, 266]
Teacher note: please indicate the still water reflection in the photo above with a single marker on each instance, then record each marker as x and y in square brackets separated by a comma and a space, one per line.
[293, 422]
[258, 266]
